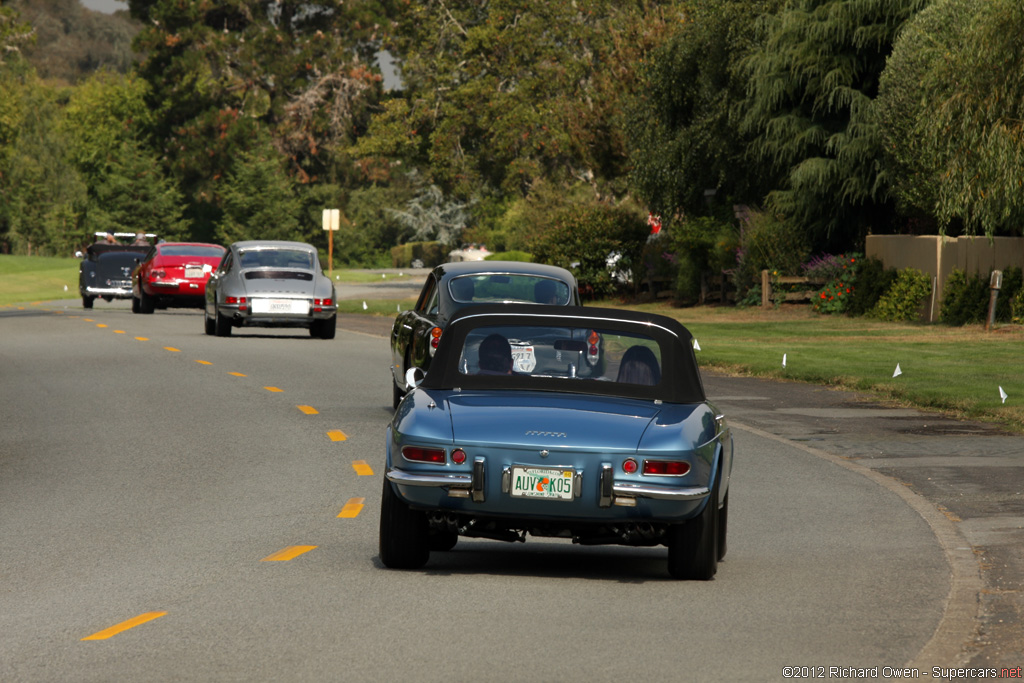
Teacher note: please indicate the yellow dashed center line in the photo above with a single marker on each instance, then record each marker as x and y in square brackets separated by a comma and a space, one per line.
[288, 553]
[237, 374]
[125, 625]
[142, 338]
[88, 320]
[309, 410]
[362, 468]
[274, 389]
[337, 435]
[352, 508]
[118, 331]
[204, 362]
[100, 325]
[171, 348]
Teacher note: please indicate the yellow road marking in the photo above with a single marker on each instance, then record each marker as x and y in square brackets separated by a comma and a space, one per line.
[309, 410]
[88, 320]
[125, 625]
[143, 338]
[288, 553]
[204, 362]
[275, 389]
[118, 331]
[237, 374]
[352, 508]
[337, 435]
[100, 325]
[171, 348]
[362, 468]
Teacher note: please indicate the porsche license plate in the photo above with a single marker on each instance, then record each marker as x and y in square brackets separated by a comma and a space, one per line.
[536, 482]
[285, 306]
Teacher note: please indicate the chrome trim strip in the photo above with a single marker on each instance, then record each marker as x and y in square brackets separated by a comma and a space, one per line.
[461, 481]
[660, 492]
[108, 290]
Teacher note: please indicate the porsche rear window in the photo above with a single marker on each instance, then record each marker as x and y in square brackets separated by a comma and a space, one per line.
[506, 287]
[276, 258]
[569, 353]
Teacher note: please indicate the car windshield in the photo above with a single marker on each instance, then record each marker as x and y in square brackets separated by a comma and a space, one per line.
[276, 258]
[192, 250]
[570, 353]
[505, 287]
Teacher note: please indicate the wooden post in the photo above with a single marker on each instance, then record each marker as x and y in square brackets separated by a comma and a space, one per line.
[766, 290]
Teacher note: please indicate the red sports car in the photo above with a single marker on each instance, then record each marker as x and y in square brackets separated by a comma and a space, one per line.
[174, 274]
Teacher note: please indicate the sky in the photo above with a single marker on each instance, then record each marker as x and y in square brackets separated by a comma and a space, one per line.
[105, 6]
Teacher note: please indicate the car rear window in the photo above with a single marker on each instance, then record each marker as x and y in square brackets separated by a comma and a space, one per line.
[569, 353]
[509, 287]
[276, 258]
[192, 250]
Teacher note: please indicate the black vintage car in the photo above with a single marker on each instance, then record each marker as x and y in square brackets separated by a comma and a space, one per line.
[453, 286]
[106, 268]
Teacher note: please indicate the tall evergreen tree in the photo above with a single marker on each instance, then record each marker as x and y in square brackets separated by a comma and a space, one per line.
[812, 84]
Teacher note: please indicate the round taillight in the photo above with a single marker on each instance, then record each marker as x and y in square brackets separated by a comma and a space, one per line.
[594, 337]
[458, 456]
[593, 349]
[629, 466]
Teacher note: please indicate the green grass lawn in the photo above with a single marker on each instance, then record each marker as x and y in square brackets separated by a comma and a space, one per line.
[957, 370]
[25, 279]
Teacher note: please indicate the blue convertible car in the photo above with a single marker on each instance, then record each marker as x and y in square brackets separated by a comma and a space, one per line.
[512, 432]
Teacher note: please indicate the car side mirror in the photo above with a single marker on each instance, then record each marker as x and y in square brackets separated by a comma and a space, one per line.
[411, 381]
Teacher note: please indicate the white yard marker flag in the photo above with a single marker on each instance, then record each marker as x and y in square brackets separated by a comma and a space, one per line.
[1002, 395]
[898, 371]
[783, 360]
[696, 346]
[364, 305]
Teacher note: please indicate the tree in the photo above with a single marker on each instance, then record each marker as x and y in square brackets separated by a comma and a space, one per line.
[812, 83]
[503, 94]
[225, 75]
[131, 193]
[951, 109]
[684, 122]
[259, 200]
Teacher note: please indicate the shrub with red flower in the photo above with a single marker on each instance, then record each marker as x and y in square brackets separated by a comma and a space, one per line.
[840, 272]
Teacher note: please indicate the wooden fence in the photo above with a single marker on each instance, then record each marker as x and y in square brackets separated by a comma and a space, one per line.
[769, 297]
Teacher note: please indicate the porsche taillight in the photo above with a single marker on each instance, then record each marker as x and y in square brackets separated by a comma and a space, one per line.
[418, 454]
[318, 304]
[240, 300]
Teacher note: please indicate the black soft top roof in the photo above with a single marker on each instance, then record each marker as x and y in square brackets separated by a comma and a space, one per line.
[680, 382]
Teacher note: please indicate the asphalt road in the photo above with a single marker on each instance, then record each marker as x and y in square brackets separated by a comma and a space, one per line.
[151, 473]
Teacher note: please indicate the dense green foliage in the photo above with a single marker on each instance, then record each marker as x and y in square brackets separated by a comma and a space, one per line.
[903, 300]
[873, 280]
[952, 107]
[757, 131]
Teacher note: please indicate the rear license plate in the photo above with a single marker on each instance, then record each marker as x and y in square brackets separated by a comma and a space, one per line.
[536, 482]
[523, 359]
[193, 272]
[285, 306]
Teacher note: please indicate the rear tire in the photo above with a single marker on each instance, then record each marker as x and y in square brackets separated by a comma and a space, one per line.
[222, 326]
[209, 323]
[87, 301]
[324, 329]
[404, 534]
[146, 302]
[136, 305]
[693, 545]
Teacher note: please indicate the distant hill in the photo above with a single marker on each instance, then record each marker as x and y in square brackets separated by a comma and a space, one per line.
[72, 41]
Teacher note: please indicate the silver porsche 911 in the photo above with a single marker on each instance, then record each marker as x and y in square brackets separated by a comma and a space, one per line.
[265, 283]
